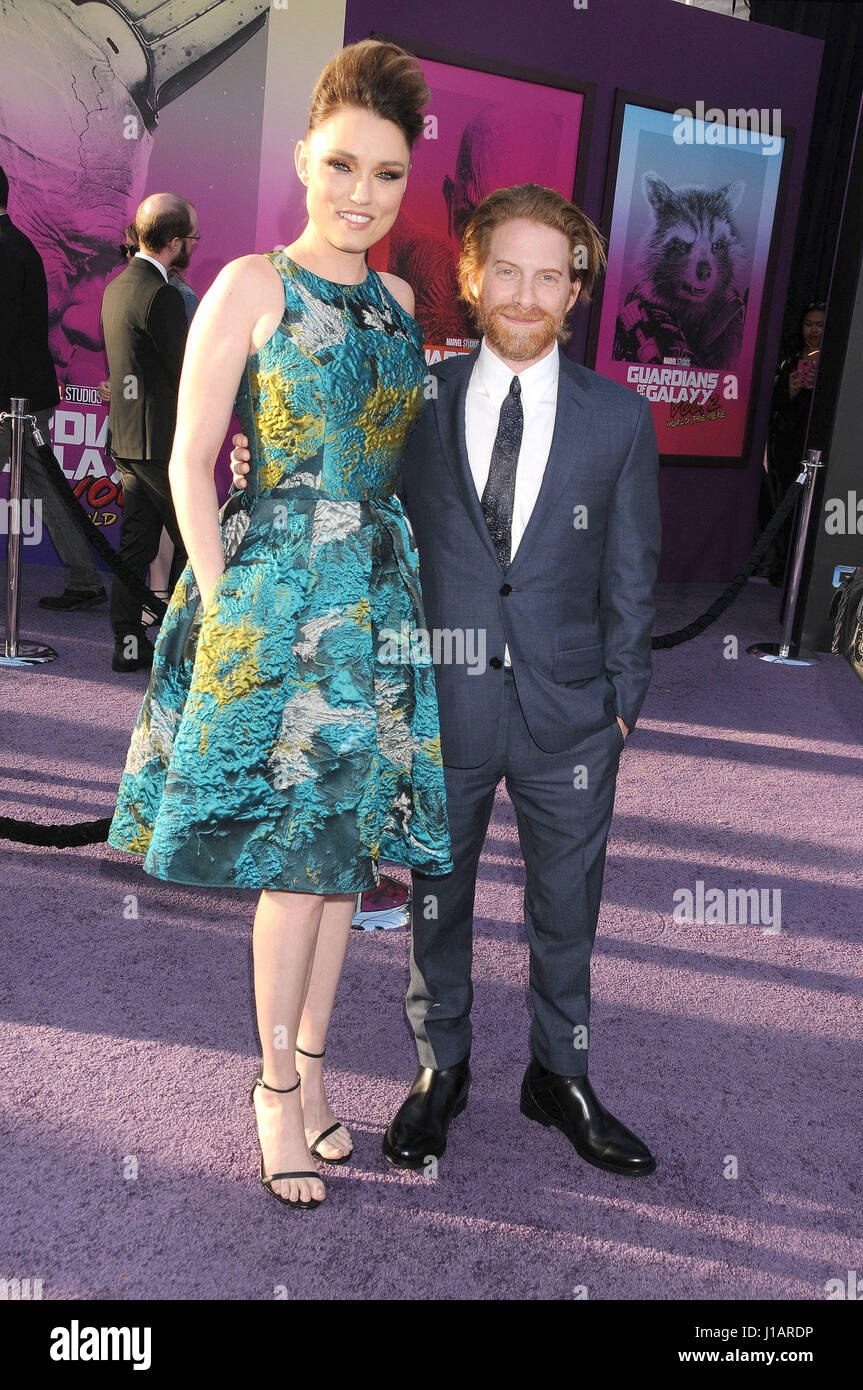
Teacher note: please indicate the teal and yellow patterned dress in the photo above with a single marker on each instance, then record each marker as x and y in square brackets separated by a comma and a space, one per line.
[289, 737]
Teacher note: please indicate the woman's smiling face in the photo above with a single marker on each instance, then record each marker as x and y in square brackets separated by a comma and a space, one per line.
[355, 167]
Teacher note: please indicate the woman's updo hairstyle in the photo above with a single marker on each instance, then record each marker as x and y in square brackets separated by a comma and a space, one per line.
[378, 77]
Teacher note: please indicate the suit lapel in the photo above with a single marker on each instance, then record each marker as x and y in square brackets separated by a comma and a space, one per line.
[449, 407]
[570, 424]
[567, 442]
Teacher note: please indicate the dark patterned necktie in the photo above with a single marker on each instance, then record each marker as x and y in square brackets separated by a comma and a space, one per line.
[499, 491]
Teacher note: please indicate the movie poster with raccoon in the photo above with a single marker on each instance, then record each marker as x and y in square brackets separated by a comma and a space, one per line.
[690, 216]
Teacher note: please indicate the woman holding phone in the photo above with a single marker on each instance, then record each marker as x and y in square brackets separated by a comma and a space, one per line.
[276, 748]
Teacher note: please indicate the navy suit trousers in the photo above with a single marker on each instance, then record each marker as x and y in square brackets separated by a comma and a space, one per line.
[563, 804]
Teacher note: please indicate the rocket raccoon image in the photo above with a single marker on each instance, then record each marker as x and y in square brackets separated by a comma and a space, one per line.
[686, 303]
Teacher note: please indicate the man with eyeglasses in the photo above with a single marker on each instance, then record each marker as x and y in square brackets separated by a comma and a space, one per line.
[144, 326]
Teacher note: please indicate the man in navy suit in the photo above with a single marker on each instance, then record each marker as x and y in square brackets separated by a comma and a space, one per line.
[531, 486]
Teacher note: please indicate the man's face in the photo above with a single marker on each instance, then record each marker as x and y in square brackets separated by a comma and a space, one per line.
[185, 246]
[526, 291]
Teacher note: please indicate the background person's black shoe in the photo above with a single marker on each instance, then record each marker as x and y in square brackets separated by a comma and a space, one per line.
[419, 1129]
[74, 598]
[129, 657]
[570, 1104]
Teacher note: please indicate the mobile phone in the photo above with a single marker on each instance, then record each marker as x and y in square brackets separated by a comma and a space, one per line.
[808, 364]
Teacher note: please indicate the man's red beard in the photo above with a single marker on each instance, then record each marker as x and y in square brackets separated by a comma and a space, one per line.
[515, 341]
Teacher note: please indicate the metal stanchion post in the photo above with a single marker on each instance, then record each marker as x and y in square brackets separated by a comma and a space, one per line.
[786, 652]
[15, 652]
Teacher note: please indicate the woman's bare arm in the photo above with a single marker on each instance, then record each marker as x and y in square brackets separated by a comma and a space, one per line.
[245, 300]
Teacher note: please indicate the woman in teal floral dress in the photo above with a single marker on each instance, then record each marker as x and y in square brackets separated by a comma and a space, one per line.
[276, 748]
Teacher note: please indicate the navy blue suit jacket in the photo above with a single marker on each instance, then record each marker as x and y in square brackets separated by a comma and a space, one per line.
[578, 612]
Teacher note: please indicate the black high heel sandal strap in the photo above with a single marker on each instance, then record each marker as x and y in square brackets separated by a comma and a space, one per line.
[321, 1137]
[274, 1177]
[259, 1081]
[309, 1054]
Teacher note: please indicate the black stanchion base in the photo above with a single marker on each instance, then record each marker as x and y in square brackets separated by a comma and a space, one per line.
[27, 654]
[785, 656]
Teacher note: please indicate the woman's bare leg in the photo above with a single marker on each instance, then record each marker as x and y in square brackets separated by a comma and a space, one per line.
[283, 941]
[160, 568]
[323, 983]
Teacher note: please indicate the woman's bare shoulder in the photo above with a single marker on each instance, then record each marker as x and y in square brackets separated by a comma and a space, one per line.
[249, 273]
[245, 292]
[400, 290]
[250, 270]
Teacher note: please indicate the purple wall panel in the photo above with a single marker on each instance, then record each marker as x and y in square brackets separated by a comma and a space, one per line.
[668, 50]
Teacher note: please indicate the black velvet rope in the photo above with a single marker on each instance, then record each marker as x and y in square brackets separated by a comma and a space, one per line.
[92, 832]
[28, 832]
[730, 592]
[155, 605]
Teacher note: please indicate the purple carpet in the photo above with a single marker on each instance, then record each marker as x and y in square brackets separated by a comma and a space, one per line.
[129, 1041]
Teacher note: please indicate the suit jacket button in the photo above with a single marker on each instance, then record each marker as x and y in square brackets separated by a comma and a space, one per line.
[495, 663]
[505, 589]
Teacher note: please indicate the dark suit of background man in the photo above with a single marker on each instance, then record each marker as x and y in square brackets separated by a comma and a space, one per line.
[26, 369]
[531, 486]
[144, 325]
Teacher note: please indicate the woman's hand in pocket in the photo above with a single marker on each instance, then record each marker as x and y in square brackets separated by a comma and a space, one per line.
[208, 595]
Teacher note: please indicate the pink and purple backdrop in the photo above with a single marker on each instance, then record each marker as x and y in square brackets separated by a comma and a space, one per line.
[79, 157]
[227, 142]
[483, 131]
[708, 513]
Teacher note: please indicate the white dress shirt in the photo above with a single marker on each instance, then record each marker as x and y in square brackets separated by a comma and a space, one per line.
[153, 261]
[488, 386]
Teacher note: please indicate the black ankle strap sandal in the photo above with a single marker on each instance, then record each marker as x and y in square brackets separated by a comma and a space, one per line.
[325, 1134]
[274, 1177]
